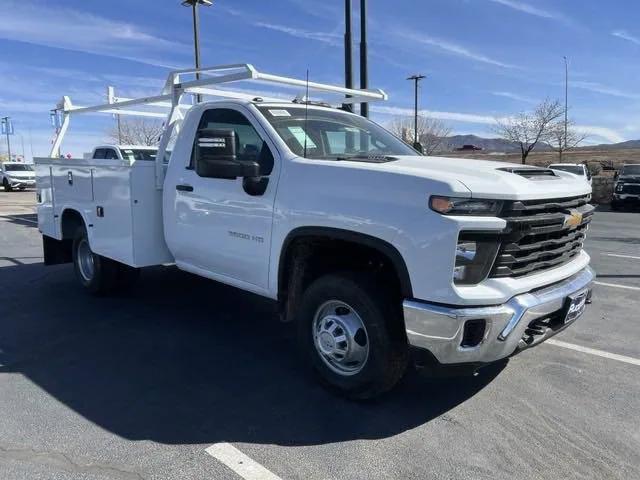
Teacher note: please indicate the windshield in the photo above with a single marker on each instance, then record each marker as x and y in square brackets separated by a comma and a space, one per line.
[332, 134]
[630, 170]
[577, 169]
[18, 167]
[134, 154]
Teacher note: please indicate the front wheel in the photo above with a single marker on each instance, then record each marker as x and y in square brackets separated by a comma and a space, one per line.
[352, 333]
[7, 186]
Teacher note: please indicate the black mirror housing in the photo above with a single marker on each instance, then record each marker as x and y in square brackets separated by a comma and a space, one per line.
[216, 156]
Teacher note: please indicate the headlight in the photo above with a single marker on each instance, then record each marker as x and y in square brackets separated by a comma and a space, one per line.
[474, 258]
[464, 206]
[619, 187]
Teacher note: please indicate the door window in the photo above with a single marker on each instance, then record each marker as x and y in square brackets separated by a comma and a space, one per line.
[249, 145]
[111, 154]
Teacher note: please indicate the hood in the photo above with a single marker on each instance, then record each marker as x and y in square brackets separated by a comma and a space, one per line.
[629, 178]
[485, 179]
[21, 174]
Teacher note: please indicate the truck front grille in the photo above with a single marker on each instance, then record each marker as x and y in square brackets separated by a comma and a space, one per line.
[631, 188]
[541, 234]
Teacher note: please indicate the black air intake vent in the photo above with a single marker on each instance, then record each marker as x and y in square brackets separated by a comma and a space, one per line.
[532, 173]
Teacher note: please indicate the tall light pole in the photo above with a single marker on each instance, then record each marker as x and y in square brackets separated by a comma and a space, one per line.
[416, 141]
[348, 56]
[7, 128]
[194, 4]
[364, 69]
[566, 101]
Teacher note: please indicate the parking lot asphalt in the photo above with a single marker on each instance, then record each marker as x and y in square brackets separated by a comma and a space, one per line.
[139, 386]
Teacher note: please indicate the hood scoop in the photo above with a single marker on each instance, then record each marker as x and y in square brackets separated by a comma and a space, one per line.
[532, 173]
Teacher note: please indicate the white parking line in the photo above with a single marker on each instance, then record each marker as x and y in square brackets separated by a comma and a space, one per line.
[593, 351]
[615, 285]
[621, 256]
[237, 461]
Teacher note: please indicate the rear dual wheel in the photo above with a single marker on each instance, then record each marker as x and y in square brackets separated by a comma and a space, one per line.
[98, 274]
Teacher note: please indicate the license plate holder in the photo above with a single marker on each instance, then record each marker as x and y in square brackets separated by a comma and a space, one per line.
[575, 306]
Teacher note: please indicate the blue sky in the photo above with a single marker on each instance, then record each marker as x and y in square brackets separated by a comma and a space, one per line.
[483, 58]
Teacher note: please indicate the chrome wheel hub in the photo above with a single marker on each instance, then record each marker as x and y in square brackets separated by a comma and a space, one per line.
[85, 260]
[340, 337]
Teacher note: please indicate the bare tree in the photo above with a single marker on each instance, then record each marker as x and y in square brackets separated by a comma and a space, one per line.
[136, 131]
[529, 128]
[559, 142]
[432, 132]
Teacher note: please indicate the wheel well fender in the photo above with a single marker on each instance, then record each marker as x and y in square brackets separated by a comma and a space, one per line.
[70, 220]
[336, 247]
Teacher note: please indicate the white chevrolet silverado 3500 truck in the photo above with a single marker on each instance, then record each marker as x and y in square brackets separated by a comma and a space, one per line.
[368, 247]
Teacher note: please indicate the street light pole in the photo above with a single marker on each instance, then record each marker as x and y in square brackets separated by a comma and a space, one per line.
[6, 129]
[416, 141]
[364, 69]
[194, 4]
[566, 101]
[348, 55]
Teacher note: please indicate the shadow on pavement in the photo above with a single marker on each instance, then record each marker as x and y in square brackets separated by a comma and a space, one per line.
[23, 219]
[182, 360]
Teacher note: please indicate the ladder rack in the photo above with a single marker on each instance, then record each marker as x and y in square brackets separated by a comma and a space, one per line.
[167, 105]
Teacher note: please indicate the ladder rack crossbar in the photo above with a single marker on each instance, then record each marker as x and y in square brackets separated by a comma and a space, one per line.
[169, 107]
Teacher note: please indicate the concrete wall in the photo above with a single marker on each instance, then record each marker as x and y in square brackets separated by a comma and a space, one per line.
[602, 188]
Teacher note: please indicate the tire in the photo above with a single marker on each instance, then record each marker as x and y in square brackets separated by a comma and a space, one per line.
[340, 315]
[7, 186]
[615, 206]
[95, 273]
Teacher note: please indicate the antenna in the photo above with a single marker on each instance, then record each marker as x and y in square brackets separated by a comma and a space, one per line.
[306, 115]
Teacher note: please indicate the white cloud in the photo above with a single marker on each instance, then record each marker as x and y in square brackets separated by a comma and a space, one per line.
[605, 133]
[324, 37]
[626, 36]
[450, 48]
[531, 10]
[514, 96]
[451, 116]
[605, 90]
[56, 27]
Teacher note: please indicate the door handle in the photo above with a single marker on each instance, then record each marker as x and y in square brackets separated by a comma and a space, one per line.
[184, 188]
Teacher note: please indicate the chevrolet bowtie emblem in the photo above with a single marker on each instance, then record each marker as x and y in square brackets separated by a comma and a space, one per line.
[573, 219]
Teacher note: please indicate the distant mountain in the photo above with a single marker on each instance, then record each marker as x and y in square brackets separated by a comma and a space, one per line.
[629, 144]
[486, 144]
[504, 146]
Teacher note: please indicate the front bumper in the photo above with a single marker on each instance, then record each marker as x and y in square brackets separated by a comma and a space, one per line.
[524, 321]
[626, 197]
[20, 183]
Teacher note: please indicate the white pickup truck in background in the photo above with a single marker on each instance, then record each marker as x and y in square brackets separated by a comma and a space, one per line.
[368, 247]
[123, 152]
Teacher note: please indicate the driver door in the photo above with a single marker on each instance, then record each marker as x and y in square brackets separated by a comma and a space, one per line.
[223, 226]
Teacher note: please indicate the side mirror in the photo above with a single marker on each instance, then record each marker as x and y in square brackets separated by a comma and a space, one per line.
[216, 157]
[616, 175]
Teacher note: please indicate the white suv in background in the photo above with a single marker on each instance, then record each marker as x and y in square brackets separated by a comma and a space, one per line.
[575, 168]
[15, 175]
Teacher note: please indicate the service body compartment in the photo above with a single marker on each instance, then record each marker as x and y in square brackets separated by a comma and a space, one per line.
[118, 201]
